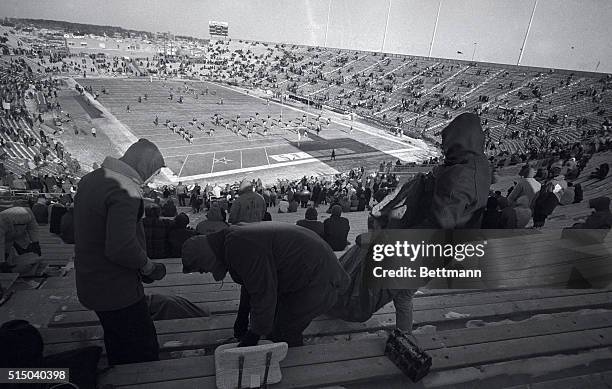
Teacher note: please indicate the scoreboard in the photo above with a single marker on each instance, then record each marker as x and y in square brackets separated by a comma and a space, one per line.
[217, 28]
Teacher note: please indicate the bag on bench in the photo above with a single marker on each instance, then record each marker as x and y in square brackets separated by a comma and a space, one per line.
[249, 367]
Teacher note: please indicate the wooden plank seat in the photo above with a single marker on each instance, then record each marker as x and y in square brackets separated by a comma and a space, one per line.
[514, 346]
[204, 333]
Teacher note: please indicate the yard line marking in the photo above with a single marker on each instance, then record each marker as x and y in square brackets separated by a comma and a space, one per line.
[213, 164]
[240, 159]
[183, 165]
[267, 158]
[228, 150]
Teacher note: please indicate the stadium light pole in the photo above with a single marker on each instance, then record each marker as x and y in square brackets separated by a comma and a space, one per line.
[474, 52]
[382, 48]
[433, 36]
[327, 24]
[535, 4]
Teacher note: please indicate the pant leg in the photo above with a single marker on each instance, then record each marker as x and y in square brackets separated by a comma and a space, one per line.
[403, 309]
[129, 334]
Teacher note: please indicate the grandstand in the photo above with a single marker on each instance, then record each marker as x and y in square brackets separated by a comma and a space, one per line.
[371, 109]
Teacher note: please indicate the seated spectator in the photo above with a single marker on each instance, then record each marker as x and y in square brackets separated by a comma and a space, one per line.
[523, 212]
[41, 210]
[545, 203]
[490, 218]
[267, 217]
[310, 221]
[214, 221]
[601, 218]
[568, 195]
[283, 205]
[67, 226]
[507, 216]
[169, 209]
[578, 193]
[527, 186]
[156, 232]
[336, 229]
[601, 172]
[178, 234]
[293, 206]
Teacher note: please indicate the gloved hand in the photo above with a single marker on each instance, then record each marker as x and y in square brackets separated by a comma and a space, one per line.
[241, 325]
[153, 272]
[34, 247]
[249, 339]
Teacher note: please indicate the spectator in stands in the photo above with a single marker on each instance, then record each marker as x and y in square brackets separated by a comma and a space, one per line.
[490, 217]
[41, 210]
[601, 218]
[601, 172]
[249, 207]
[293, 205]
[178, 234]
[215, 221]
[156, 232]
[527, 186]
[267, 217]
[181, 193]
[276, 299]
[522, 212]
[18, 235]
[310, 221]
[20, 183]
[283, 205]
[336, 229]
[462, 183]
[67, 225]
[568, 195]
[169, 209]
[110, 252]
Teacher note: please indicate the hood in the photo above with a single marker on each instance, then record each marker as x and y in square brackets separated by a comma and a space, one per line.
[600, 203]
[463, 139]
[144, 157]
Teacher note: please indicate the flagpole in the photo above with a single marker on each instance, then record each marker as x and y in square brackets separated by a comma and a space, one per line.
[327, 25]
[382, 49]
[433, 36]
[535, 4]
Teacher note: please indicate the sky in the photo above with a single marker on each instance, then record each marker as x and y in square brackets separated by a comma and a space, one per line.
[569, 34]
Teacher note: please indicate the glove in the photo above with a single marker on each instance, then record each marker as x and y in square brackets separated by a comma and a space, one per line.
[34, 247]
[249, 339]
[158, 272]
[241, 325]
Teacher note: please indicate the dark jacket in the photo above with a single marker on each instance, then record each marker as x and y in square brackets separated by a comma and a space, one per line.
[462, 184]
[110, 244]
[176, 238]
[281, 266]
[313, 225]
[214, 222]
[249, 207]
[169, 209]
[41, 213]
[67, 227]
[336, 229]
[156, 234]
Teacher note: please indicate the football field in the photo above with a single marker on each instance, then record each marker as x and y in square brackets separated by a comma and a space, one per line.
[221, 147]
